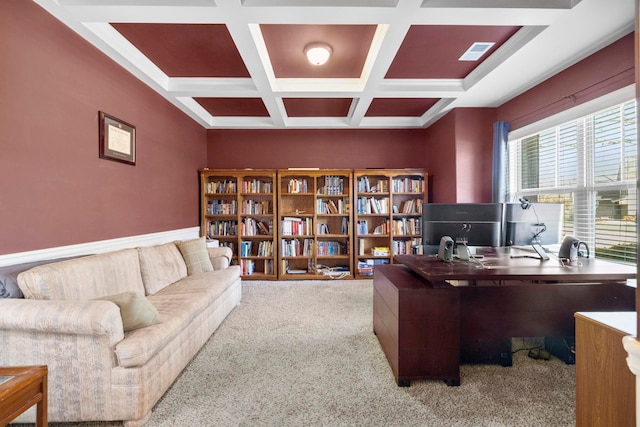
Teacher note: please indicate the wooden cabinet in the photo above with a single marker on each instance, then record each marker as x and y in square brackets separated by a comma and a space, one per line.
[605, 386]
[387, 215]
[314, 224]
[417, 324]
[238, 210]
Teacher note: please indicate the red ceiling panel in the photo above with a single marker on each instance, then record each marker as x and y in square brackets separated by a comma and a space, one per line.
[187, 50]
[317, 107]
[399, 107]
[285, 44]
[432, 51]
[251, 107]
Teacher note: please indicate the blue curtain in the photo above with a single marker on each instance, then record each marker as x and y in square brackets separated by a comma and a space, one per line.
[500, 132]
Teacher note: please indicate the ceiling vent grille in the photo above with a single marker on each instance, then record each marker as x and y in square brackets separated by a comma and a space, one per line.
[476, 50]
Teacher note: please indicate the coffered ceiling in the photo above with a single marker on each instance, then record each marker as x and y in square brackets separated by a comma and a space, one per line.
[395, 63]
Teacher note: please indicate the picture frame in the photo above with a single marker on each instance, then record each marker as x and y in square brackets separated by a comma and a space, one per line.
[117, 139]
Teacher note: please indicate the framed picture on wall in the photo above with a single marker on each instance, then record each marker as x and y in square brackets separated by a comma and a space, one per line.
[117, 139]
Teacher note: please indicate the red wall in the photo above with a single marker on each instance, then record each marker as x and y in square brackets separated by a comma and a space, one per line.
[603, 72]
[54, 190]
[474, 154]
[441, 161]
[328, 148]
[460, 156]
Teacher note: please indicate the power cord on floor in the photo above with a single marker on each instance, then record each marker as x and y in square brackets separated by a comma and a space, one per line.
[331, 272]
[534, 352]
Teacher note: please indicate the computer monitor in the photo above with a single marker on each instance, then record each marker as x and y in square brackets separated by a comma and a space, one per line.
[533, 223]
[475, 224]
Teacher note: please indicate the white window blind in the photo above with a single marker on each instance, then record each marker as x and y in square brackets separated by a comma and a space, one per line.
[590, 165]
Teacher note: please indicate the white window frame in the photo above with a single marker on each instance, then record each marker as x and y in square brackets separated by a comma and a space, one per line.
[584, 191]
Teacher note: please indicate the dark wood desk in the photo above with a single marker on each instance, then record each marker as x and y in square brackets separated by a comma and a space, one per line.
[490, 301]
[498, 264]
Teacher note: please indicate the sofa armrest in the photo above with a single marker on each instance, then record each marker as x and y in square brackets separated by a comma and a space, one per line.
[62, 317]
[220, 257]
[76, 340]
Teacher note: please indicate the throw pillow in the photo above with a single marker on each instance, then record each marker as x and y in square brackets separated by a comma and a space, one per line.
[195, 255]
[135, 309]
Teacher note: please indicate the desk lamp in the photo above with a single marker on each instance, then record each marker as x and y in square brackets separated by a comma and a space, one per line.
[535, 243]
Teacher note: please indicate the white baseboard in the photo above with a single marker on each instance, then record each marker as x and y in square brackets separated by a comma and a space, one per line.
[100, 246]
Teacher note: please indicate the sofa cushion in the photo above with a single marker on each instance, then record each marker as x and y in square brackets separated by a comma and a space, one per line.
[9, 276]
[161, 266]
[178, 305]
[195, 255]
[136, 310]
[84, 278]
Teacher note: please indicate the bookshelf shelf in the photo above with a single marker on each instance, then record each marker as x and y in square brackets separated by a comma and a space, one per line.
[387, 217]
[314, 223]
[238, 210]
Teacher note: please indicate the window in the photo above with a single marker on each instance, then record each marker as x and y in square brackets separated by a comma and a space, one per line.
[590, 165]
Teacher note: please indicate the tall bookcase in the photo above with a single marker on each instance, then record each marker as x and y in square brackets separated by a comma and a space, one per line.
[387, 215]
[238, 210]
[315, 224]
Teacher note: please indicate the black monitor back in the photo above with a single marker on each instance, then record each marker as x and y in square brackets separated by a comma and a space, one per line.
[522, 225]
[479, 224]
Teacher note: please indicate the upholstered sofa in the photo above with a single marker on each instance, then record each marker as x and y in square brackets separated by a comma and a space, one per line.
[116, 329]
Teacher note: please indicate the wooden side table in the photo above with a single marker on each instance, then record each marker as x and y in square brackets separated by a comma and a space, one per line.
[605, 386]
[21, 387]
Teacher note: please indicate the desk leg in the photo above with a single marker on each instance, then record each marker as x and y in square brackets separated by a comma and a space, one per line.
[403, 383]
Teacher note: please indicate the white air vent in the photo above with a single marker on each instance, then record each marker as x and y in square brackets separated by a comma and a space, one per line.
[476, 50]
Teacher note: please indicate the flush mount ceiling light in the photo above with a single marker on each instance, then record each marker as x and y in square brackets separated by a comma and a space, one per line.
[318, 53]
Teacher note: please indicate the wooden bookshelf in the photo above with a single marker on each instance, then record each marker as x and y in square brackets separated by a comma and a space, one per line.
[315, 224]
[238, 210]
[387, 215]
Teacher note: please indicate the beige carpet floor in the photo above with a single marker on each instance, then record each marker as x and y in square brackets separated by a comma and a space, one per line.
[302, 353]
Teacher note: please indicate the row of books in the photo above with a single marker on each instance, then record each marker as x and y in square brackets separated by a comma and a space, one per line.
[330, 206]
[344, 228]
[253, 227]
[295, 247]
[365, 186]
[372, 205]
[413, 206]
[365, 267]
[406, 226]
[331, 248]
[249, 266]
[404, 247]
[222, 228]
[257, 207]
[292, 226]
[257, 186]
[332, 185]
[222, 207]
[297, 185]
[362, 227]
[226, 186]
[265, 249]
[407, 185]
[230, 245]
